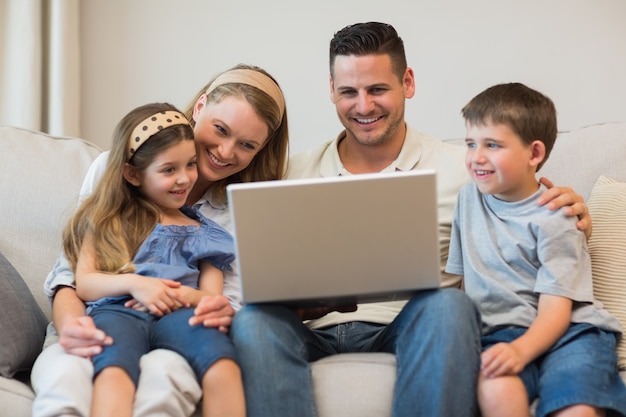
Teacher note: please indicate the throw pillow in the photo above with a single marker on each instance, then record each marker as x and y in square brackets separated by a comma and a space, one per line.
[607, 247]
[22, 323]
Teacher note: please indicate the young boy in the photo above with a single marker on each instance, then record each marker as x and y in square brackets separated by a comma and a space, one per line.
[528, 270]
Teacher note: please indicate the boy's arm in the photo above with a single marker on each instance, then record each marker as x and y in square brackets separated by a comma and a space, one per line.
[553, 318]
[554, 315]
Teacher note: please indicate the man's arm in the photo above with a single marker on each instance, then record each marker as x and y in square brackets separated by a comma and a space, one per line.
[573, 204]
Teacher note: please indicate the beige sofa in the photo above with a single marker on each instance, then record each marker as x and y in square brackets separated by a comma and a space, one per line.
[40, 176]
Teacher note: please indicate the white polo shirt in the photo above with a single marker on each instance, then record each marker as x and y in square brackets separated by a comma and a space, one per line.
[419, 151]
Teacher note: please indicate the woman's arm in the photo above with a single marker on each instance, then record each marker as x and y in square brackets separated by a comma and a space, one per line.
[553, 318]
[77, 333]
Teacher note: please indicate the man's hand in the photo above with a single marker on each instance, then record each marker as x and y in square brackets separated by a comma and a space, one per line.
[79, 336]
[213, 311]
[573, 204]
[317, 312]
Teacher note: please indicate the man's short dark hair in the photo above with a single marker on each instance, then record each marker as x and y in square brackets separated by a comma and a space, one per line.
[371, 38]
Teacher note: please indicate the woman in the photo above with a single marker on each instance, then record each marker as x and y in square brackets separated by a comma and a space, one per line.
[241, 134]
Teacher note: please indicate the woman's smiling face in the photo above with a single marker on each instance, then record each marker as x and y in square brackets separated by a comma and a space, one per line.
[228, 136]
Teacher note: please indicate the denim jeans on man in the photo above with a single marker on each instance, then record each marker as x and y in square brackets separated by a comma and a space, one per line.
[436, 340]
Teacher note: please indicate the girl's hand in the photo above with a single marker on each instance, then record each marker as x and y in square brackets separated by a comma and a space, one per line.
[180, 294]
[213, 311]
[135, 305]
[501, 359]
[157, 296]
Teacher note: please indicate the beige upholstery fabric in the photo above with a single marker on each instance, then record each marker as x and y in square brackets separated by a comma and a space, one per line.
[339, 382]
[40, 176]
[607, 247]
[579, 157]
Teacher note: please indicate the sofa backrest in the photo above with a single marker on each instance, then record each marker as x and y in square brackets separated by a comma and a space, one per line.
[40, 177]
[580, 156]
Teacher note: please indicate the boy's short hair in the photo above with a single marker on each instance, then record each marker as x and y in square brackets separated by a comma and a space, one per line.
[530, 114]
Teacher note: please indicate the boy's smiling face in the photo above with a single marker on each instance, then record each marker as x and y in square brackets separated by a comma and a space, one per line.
[500, 163]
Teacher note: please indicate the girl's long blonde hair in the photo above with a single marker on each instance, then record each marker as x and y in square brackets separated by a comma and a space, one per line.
[116, 215]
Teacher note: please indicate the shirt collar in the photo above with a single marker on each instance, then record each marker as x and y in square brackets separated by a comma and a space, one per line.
[407, 159]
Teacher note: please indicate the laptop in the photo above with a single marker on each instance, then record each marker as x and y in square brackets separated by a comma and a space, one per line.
[325, 242]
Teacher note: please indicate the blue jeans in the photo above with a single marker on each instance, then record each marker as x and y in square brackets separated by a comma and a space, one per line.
[136, 333]
[580, 368]
[436, 340]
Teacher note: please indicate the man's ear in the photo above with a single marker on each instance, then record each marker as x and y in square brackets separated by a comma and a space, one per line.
[131, 175]
[332, 88]
[409, 83]
[537, 153]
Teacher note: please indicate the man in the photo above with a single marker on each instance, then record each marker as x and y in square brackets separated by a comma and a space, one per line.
[435, 335]
[436, 370]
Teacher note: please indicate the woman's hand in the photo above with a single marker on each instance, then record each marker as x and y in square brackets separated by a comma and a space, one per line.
[80, 336]
[572, 203]
[213, 311]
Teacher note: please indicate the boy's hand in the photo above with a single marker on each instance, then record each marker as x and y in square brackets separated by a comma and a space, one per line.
[501, 359]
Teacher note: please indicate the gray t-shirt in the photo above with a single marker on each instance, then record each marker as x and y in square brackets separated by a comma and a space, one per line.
[510, 252]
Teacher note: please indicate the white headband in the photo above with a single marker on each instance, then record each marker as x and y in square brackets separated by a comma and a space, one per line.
[255, 79]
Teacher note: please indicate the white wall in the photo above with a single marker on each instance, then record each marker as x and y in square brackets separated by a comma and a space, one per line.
[136, 51]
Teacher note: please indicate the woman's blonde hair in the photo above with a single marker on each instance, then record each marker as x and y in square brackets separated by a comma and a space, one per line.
[271, 161]
[116, 215]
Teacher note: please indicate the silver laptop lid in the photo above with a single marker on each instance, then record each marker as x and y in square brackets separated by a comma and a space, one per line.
[340, 240]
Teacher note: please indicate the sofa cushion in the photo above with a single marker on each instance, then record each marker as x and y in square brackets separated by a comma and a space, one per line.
[40, 178]
[22, 323]
[607, 247]
[339, 382]
[580, 156]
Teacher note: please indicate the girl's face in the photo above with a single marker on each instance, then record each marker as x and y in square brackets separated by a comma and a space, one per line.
[228, 135]
[169, 178]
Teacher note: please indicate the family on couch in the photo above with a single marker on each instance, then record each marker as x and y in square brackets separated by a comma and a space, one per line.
[240, 130]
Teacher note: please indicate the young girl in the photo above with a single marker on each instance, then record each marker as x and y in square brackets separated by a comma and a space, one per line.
[135, 228]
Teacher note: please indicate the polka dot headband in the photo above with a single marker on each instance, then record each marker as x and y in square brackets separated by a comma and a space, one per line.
[255, 79]
[151, 125]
